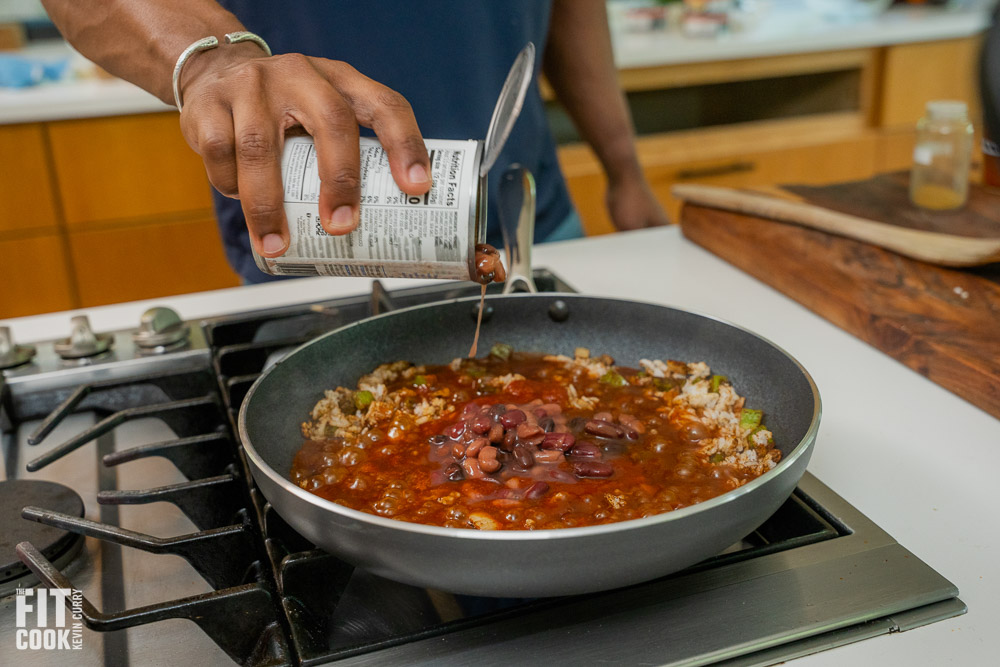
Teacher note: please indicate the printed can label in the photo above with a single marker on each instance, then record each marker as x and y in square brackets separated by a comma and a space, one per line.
[399, 235]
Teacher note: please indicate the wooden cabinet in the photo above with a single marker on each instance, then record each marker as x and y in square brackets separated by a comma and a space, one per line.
[132, 168]
[811, 151]
[887, 87]
[34, 276]
[104, 210]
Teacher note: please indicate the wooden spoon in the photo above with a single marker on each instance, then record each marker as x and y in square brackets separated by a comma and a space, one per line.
[933, 247]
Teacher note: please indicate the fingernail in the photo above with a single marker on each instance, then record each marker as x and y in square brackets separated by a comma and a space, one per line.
[343, 218]
[417, 174]
[272, 243]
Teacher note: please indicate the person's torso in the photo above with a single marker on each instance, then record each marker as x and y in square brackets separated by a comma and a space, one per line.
[449, 59]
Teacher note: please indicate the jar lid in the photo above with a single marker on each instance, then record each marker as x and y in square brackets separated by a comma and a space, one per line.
[508, 106]
[944, 109]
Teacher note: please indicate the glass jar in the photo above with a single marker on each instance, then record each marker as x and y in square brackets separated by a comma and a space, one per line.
[940, 177]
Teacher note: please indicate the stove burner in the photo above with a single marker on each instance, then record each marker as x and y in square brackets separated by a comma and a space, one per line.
[57, 545]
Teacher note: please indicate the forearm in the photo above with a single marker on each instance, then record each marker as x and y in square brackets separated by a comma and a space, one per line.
[579, 65]
[140, 40]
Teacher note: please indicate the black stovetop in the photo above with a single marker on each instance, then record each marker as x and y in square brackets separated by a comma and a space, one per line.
[779, 593]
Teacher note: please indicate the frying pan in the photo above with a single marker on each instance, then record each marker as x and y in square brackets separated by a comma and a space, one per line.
[541, 562]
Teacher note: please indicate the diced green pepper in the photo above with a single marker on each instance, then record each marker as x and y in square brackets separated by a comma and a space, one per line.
[717, 457]
[716, 381]
[501, 351]
[475, 371]
[664, 384]
[362, 399]
[420, 380]
[750, 418]
[641, 374]
[612, 378]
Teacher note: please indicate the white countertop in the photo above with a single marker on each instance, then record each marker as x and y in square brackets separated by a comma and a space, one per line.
[916, 459]
[784, 30]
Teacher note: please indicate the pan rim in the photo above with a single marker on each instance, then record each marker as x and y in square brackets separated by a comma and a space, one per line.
[801, 448]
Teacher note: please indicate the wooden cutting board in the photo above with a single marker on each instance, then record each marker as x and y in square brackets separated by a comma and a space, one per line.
[943, 323]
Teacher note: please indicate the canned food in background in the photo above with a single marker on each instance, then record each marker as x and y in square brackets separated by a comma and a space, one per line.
[399, 235]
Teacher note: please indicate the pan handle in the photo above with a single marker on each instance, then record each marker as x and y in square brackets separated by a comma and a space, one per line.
[517, 193]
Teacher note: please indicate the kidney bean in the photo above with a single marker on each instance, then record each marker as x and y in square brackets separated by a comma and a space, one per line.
[496, 434]
[470, 410]
[438, 439]
[472, 469]
[481, 424]
[455, 431]
[547, 424]
[523, 456]
[497, 411]
[527, 430]
[472, 451]
[592, 469]
[458, 451]
[539, 413]
[454, 473]
[509, 439]
[603, 429]
[557, 475]
[488, 459]
[629, 420]
[560, 441]
[499, 273]
[486, 267]
[548, 456]
[512, 418]
[534, 440]
[584, 449]
[536, 490]
[604, 417]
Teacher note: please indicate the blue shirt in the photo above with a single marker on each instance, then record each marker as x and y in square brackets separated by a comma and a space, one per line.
[449, 59]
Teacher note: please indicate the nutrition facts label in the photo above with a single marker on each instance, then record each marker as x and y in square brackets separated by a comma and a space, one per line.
[400, 235]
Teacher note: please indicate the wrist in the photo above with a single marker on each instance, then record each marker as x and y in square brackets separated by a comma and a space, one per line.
[204, 63]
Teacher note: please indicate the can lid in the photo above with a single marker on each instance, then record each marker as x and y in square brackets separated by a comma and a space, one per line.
[947, 109]
[508, 106]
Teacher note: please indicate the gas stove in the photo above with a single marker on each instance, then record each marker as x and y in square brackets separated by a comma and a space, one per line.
[124, 485]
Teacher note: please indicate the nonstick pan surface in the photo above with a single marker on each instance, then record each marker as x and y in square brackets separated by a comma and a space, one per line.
[541, 562]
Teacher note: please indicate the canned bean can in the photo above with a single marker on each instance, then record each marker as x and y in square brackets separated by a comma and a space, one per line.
[400, 236]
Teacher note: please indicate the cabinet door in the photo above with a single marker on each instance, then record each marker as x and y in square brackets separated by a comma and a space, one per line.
[25, 188]
[126, 168]
[149, 261]
[815, 162]
[917, 73]
[34, 276]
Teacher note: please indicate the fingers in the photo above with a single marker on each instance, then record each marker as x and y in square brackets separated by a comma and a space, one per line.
[210, 133]
[331, 122]
[389, 114]
[257, 146]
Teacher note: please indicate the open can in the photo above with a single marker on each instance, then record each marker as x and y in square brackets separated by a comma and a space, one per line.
[400, 236]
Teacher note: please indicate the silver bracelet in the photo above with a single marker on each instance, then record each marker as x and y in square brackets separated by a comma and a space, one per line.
[205, 44]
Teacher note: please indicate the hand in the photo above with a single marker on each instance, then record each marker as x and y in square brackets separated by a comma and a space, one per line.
[632, 205]
[238, 105]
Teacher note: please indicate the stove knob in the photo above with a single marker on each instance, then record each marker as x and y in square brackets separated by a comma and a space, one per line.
[82, 341]
[160, 330]
[12, 355]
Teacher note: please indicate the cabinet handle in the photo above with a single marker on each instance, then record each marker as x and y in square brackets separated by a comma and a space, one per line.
[717, 170]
